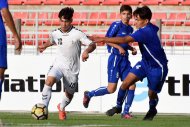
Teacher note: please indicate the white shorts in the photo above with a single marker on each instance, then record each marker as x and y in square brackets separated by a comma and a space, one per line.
[70, 80]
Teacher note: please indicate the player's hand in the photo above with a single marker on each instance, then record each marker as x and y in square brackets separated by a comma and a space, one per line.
[18, 45]
[134, 51]
[96, 39]
[85, 56]
[41, 48]
[121, 51]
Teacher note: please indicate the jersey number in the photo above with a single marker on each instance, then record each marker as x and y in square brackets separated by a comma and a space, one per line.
[60, 41]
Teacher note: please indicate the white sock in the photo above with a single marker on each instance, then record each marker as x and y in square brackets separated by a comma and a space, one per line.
[65, 101]
[46, 95]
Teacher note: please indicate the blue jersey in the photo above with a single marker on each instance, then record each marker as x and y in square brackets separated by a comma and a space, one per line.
[150, 47]
[154, 62]
[3, 4]
[118, 65]
[118, 29]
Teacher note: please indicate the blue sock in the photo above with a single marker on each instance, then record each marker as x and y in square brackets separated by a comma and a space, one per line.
[120, 97]
[129, 101]
[153, 103]
[1, 83]
[98, 92]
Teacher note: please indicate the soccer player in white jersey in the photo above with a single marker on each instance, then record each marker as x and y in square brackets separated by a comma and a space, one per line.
[67, 62]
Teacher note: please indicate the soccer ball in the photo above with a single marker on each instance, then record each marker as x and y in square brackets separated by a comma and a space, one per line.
[39, 111]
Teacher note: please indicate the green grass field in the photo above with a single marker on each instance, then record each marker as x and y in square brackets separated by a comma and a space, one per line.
[91, 120]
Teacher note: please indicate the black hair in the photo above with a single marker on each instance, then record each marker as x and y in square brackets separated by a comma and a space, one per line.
[126, 8]
[143, 12]
[66, 13]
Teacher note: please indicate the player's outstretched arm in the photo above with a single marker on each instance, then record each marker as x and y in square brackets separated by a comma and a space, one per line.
[10, 23]
[121, 50]
[115, 40]
[88, 50]
[45, 45]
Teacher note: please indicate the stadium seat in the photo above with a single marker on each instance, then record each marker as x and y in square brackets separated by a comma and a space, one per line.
[92, 2]
[34, 2]
[152, 2]
[181, 39]
[159, 15]
[112, 2]
[42, 16]
[171, 2]
[80, 18]
[113, 16]
[53, 19]
[21, 15]
[185, 2]
[16, 2]
[72, 2]
[132, 2]
[97, 18]
[53, 2]
[176, 19]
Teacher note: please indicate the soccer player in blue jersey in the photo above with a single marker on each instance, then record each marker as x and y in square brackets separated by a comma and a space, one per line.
[4, 11]
[153, 65]
[118, 64]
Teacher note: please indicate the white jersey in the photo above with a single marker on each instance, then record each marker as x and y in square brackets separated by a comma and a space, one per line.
[69, 48]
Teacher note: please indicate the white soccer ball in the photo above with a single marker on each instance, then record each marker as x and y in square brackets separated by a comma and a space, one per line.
[39, 112]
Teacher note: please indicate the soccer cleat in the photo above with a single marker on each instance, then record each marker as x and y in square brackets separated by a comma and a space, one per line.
[150, 115]
[86, 99]
[62, 114]
[114, 110]
[127, 116]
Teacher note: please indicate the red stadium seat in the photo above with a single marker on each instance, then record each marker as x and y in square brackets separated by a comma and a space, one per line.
[16, 2]
[76, 18]
[132, 2]
[113, 16]
[171, 2]
[152, 2]
[34, 2]
[92, 2]
[176, 19]
[185, 2]
[21, 15]
[159, 15]
[53, 20]
[72, 2]
[42, 16]
[97, 18]
[80, 18]
[112, 2]
[53, 2]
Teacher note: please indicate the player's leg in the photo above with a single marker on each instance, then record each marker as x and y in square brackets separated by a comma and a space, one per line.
[112, 82]
[70, 88]
[128, 102]
[153, 101]
[111, 88]
[47, 90]
[66, 99]
[54, 75]
[156, 78]
[123, 90]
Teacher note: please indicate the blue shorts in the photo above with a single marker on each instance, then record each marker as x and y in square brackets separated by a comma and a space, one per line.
[118, 67]
[3, 56]
[155, 75]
